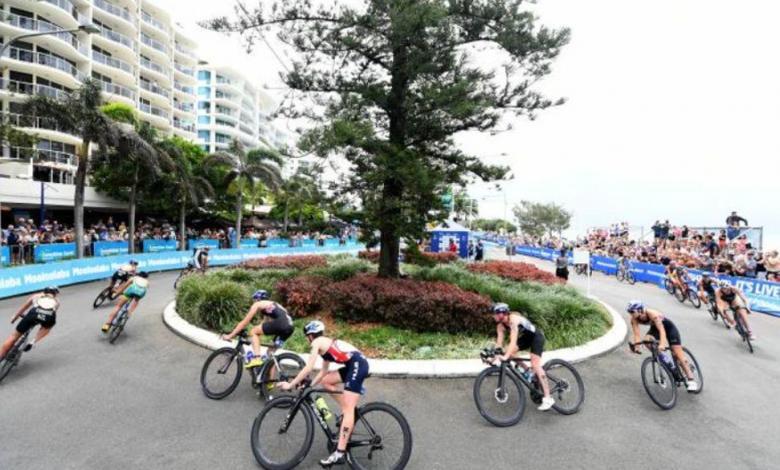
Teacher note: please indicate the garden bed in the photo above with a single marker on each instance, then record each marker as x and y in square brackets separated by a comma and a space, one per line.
[437, 312]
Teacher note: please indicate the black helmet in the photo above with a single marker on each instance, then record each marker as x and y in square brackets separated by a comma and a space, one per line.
[143, 274]
[51, 290]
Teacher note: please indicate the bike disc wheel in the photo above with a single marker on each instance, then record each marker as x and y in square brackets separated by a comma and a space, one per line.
[221, 373]
[276, 450]
[499, 406]
[695, 369]
[694, 298]
[566, 386]
[381, 439]
[289, 364]
[659, 383]
[102, 296]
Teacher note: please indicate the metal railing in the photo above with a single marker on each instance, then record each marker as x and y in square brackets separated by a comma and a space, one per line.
[184, 89]
[154, 22]
[115, 89]
[153, 43]
[15, 86]
[117, 37]
[187, 107]
[44, 27]
[40, 58]
[153, 66]
[189, 127]
[154, 110]
[113, 9]
[185, 70]
[23, 120]
[39, 155]
[112, 62]
[62, 4]
[148, 86]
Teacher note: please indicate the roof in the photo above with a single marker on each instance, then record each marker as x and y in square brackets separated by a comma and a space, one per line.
[449, 226]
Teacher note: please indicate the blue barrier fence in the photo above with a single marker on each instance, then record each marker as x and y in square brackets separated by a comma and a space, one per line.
[5, 255]
[764, 296]
[156, 246]
[31, 278]
[54, 252]
[109, 248]
[212, 244]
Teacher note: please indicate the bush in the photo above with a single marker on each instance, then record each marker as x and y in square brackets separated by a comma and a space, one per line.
[340, 269]
[520, 272]
[299, 262]
[415, 257]
[212, 303]
[372, 256]
[301, 295]
[410, 304]
[256, 279]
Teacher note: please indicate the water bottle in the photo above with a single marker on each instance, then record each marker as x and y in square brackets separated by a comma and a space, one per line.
[248, 355]
[278, 343]
[528, 375]
[666, 358]
[323, 409]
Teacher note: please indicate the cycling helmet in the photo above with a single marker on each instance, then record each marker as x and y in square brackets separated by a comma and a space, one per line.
[133, 262]
[261, 295]
[635, 306]
[500, 308]
[206, 249]
[314, 327]
[724, 283]
[706, 274]
[143, 274]
[51, 290]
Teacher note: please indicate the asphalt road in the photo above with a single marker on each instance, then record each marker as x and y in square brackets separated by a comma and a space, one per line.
[77, 402]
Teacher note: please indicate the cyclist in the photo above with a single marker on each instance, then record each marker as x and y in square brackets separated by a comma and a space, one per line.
[200, 259]
[729, 296]
[277, 324]
[623, 263]
[123, 274]
[679, 276]
[707, 285]
[133, 290]
[522, 335]
[38, 309]
[352, 375]
[662, 330]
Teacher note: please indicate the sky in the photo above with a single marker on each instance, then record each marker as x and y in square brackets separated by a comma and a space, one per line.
[672, 112]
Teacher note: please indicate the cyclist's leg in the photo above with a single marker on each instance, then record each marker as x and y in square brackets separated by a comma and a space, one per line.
[122, 300]
[742, 311]
[536, 365]
[723, 307]
[9, 343]
[42, 333]
[134, 301]
[678, 352]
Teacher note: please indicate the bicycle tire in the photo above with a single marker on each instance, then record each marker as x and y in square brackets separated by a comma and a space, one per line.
[118, 326]
[742, 331]
[261, 446]
[695, 368]
[235, 358]
[713, 311]
[664, 378]
[694, 298]
[512, 384]
[620, 275]
[285, 359]
[553, 380]
[101, 298]
[9, 361]
[630, 278]
[680, 295]
[669, 286]
[367, 417]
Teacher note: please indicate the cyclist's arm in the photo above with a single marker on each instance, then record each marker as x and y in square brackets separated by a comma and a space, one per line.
[512, 348]
[500, 335]
[244, 322]
[25, 306]
[635, 330]
[321, 374]
[659, 325]
[744, 299]
[315, 351]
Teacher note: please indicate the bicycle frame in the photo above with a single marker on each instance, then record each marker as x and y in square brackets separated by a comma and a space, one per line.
[272, 360]
[677, 375]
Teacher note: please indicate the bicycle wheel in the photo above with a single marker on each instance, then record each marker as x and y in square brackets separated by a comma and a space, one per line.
[9, 361]
[501, 406]
[630, 278]
[742, 331]
[680, 295]
[669, 286]
[695, 369]
[289, 364]
[694, 298]
[102, 296]
[381, 439]
[277, 450]
[620, 275]
[183, 273]
[566, 386]
[221, 373]
[659, 383]
[118, 326]
[713, 310]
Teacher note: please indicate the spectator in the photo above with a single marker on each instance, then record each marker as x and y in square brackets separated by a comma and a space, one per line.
[479, 252]
[562, 265]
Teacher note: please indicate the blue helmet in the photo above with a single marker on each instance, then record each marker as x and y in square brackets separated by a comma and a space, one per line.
[133, 262]
[635, 306]
[500, 308]
[261, 295]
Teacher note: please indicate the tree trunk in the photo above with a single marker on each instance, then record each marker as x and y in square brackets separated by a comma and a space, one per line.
[78, 197]
[131, 212]
[390, 248]
[240, 212]
[286, 214]
[182, 228]
[300, 218]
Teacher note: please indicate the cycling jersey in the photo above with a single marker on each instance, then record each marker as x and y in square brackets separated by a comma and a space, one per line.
[137, 289]
[335, 354]
[355, 368]
[708, 286]
[198, 257]
[729, 296]
[280, 325]
[123, 273]
[277, 312]
[43, 312]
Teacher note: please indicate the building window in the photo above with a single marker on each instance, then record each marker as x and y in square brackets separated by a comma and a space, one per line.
[204, 91]
[204, 119]
[204, 135]
[204, 105]
[204, 75]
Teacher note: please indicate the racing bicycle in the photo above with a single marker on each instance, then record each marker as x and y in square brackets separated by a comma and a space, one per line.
[624, 273]
[106, 294]
[661, 379]
[714, 311]
[499, 395]
[120, 320]
[222, 370]
[14, 355]
[283, 433]
[741, 327]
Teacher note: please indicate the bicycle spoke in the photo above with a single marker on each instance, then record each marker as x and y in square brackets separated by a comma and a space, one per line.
[379, 439]
[275, 448]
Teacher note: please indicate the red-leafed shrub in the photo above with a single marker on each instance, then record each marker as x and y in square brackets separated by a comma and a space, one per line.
[521, 272]
[406, 303]
[372, 256]
[441, 258]
[426, 259]
[286, 262]
[301, 295]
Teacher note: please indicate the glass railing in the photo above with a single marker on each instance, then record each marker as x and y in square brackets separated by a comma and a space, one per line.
[62, 4]
[112, 62]
[184, 51]
[146, 63]
[189, 127]
[44, 59]
[21, 120]
[224, 111]
[154, 110]
[154, 89]
[246, 130]
[223, 95]
[153, 21]
[185, 70]
[115, 89]
[15, 86]
[40, 155]
[186, 107]
[117, 37]
[43, 27]
[154, 44]
[113, 9]
[185, 89]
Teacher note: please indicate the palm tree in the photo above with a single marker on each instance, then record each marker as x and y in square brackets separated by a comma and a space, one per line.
[244, 169]
[294, 192]
[78, 113]
[188, 187]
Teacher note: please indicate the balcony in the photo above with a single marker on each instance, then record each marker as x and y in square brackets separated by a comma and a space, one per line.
[184, 89]
[114, 10]
[21, 120]
[48, 60]
[62, 4]
[154, 44]
[186, 107]
[117, 37]
[225, 111]
[114, 89]
[41, 155]
[27, 88]
[153, 66]
[44, 27]
[112, 62]
[185, 70]
[156, 89]
[149, 19]
[185, 126]
[186, 52]
[154, 110]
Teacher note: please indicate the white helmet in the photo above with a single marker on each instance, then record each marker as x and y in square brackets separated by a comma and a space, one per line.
[314, 327]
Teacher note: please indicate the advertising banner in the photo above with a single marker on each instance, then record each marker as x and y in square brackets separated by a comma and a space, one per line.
[212, 244]
[109, 248]
[5, 255]
[249, 243]
[54, 252]
[156, 246]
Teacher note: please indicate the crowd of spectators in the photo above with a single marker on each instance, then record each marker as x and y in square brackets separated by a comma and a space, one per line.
[24, 235]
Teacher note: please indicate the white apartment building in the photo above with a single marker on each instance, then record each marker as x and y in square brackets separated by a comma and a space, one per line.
[139, 57]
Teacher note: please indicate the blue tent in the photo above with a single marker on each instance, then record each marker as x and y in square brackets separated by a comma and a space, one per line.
[446, 231]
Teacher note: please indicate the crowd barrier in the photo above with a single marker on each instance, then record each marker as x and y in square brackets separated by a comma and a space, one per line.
[5, 255]
[764, 296]
[46, 253]
[156, 246]
[31, 278]
[109, 248]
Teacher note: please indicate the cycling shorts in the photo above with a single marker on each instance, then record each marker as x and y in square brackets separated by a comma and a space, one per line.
[134, 292]
[354, 373]
[672, 333]
[532, 341]
[280, 328]
[119, 277]
[36, 316]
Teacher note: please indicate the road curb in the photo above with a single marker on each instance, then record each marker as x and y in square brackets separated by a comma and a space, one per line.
[434, 368]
